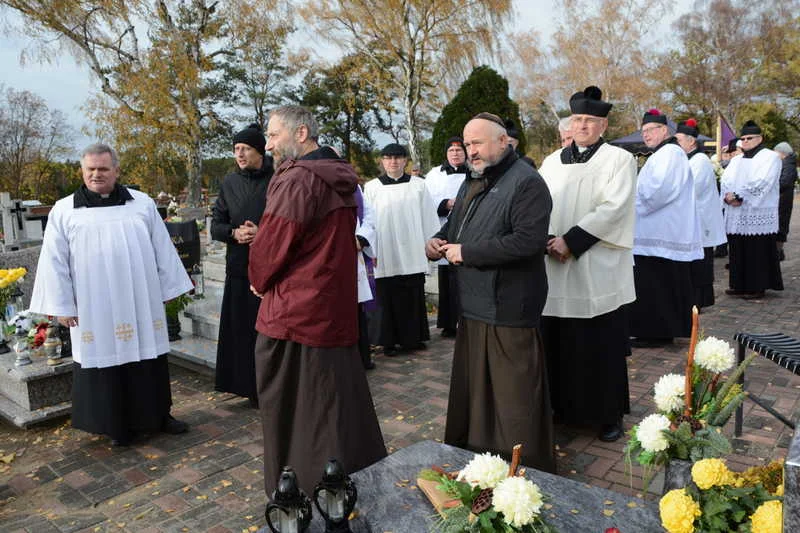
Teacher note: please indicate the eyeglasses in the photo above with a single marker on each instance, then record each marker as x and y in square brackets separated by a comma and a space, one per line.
[749, 138]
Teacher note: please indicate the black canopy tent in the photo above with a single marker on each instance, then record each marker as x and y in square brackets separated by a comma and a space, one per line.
[634, 143]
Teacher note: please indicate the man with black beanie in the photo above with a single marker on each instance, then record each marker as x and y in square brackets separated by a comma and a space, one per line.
[239, 206]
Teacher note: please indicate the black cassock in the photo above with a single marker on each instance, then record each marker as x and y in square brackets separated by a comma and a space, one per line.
[242, 196]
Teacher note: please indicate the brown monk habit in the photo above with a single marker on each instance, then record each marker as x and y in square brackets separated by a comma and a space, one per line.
[499, 395]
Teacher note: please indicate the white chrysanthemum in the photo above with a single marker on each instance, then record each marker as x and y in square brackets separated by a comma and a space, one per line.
[518, 499]
[650, 433]
[715, 355]
[485, 470]
[669, 392]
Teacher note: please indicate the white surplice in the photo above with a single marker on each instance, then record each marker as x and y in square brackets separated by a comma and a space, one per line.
[442, 186]
[712, 226]
[112, 267]
[667, 223]
[598, 196]
[365, 228]
[405, 218]
[756, 181]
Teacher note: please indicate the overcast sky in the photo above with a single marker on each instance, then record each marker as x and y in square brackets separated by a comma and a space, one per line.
[66, 86]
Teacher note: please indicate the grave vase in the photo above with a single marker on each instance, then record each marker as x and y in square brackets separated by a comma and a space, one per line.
[677, 474]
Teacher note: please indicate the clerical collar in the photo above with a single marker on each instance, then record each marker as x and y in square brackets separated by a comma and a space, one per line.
[83, 197]
[671, 140]
[386, 180]
[693, 153]
[572, 154]
[448, 169]
[749, 154]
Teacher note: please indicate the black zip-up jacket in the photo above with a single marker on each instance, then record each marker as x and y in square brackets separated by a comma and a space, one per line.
[502, 230]
[242, 196]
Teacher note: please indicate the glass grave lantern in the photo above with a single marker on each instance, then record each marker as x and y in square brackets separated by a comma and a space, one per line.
[335, 497]
[290, 508]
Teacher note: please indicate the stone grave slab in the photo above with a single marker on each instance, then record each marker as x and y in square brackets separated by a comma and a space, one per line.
[35, 392]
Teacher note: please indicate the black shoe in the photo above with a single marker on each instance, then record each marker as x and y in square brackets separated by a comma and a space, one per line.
[611, 432]
[753, 295]
[173, 426]
[389, 351]
[413, 347]
[448, 332]
[369, 365]
[734, 292]
[781, 255]
[122, 441]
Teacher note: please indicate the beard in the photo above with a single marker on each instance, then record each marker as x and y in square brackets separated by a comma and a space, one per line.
[285, 153]
[487, 162]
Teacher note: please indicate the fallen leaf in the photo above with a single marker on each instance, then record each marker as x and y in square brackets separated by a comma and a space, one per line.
[226, 483]
[608, 502]
[608, 512]
[574, 511]
[8, 458]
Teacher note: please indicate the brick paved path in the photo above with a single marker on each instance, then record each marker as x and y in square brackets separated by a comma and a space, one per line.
[209, 479]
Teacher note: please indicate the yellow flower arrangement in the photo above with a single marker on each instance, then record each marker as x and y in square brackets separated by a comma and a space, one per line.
[708, 473]
[9, 276]
[768, 518]
[720, 501]
[8, 279]
[678, 511]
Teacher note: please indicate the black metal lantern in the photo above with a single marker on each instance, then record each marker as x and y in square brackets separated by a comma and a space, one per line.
[290, 508]
[335, 497]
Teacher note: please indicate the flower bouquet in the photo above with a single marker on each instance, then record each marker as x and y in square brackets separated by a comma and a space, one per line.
[692, 408]
[9, 278]
[720, 500]
[487, 496]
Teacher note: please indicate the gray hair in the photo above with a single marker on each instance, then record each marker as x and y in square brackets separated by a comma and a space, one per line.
[784, 148]
[99, 149]
[294, 116]
[565, 124]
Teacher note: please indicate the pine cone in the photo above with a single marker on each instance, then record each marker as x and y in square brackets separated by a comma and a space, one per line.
[693, 422]
[482, 501]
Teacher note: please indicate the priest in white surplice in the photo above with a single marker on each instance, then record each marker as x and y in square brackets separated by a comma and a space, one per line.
[405, 218]
[750, 189]
[666, 239]
[106, 268]
[443, 183]
[712, 228]
[589, 271]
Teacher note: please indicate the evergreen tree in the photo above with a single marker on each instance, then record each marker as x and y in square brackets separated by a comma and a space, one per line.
[483, 90]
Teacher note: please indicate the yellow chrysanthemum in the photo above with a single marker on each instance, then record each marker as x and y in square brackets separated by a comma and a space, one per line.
[768, 518]
[779, 490]
[708, 473]
[678, 511]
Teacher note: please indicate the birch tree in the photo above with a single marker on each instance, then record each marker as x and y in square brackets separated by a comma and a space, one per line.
[156, 62]
[419, 43]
